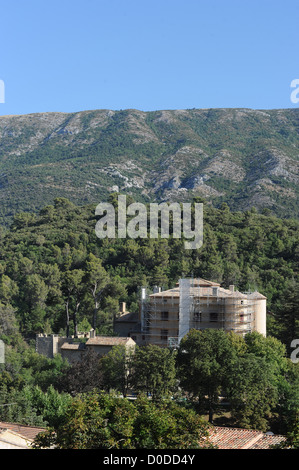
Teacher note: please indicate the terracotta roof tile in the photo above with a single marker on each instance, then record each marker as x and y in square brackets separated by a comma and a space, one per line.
[29, 432]
[74, 346]
[108, 341]
[238, 438]
[202, 282]
[206, 290]
[267, 441]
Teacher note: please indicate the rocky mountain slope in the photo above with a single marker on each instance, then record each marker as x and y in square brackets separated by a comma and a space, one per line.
[241, 156]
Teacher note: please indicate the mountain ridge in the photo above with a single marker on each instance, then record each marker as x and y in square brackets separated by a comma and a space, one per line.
[240, 156]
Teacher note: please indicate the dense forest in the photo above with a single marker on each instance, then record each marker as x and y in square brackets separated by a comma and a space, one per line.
[58, 277]
[56, 273]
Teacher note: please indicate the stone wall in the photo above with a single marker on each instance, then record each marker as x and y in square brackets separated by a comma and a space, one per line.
[50, 345]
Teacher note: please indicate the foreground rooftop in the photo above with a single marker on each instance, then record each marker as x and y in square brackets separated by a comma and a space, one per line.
[238, 438]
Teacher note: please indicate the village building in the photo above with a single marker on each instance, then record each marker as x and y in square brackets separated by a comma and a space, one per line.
[73, 350]
[239, 438]
[17, 436]
[166, 316]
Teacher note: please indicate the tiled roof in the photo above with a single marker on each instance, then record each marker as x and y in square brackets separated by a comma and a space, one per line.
[206, 290]
[73, 346]
[108, 341]
[256, 295]
[127, 317]
[175, 292]
[202, 283]
[28, 432]
[11, 440]
[238, 438]
[267, 441]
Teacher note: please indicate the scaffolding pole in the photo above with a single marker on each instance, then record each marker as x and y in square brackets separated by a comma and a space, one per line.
[185, 307]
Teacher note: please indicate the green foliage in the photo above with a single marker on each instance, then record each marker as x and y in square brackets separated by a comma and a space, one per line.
[32, 406]
[116, 367]
[253, 373]
[81, 376]
[203, 361]
[55, 275]
[168, 426]
[154, 372]
[55, 271]
[25, 366]
[76, 164]
[259, 384]
[106, 422]
[251, 392]
[288, 312]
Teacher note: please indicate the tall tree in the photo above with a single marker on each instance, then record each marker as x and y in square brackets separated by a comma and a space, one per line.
[73, 289]
[154, 371]
[82, 376]
[8, 321]
[8, 289]
[203, 360]
[116, 368]
[251, 392]
[96, 279]
[288, 313]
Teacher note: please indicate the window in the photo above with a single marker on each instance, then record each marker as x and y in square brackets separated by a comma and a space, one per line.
[213, 316]
[164, 316]
[164, 335]
[197, 316]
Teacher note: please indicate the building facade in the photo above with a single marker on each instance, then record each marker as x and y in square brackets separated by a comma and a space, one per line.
[74, 351]
[167, 316]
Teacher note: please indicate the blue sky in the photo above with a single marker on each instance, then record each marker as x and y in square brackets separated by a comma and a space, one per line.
[73, 55]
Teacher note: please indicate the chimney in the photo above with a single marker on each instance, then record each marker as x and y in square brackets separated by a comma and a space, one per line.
[232, 288]
[215, 291]
[122, 307]
[143, 293]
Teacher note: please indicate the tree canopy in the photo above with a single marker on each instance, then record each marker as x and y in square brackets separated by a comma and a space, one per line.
[54, 271]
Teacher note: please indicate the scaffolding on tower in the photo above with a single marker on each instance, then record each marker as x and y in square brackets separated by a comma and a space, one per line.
[189, 307]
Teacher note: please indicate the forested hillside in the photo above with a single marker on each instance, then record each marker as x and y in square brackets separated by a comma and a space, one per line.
[56, 274]
[58, 277]
[243, 157]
